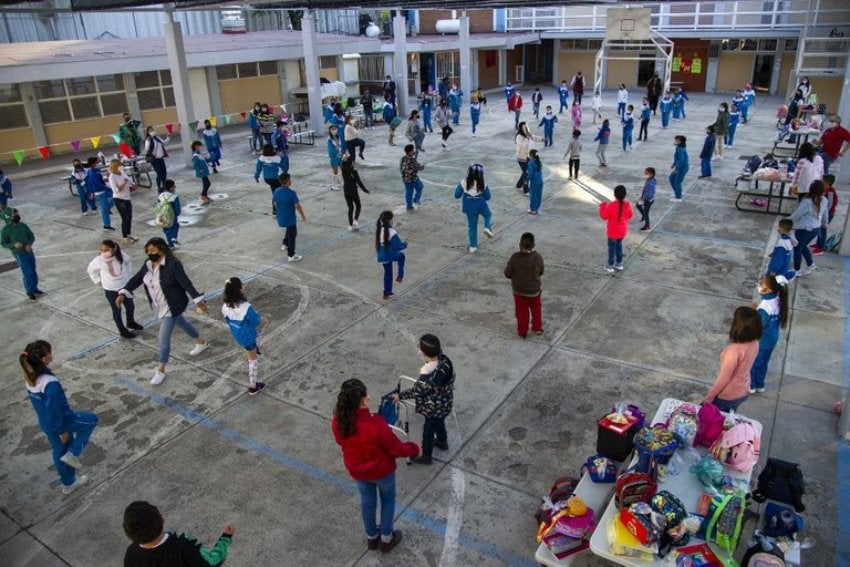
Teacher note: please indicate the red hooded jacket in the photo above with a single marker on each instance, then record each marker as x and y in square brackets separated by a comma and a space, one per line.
[617, 227]
[370, 453]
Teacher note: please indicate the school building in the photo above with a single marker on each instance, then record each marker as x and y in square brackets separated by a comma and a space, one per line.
[69, 75]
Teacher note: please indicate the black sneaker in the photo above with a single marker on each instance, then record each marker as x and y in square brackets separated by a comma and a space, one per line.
[389, 545]
[373, 543]
[442, 446]
[421, 460]
[128, 335]
[256, 389]
[39, 293]
[135, 326]
[31, 296]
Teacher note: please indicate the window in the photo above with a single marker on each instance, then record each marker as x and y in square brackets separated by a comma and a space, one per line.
[154, 90]
[245, 70]
[327, 62]
[268, 67]
[12, 111]
[81, 98]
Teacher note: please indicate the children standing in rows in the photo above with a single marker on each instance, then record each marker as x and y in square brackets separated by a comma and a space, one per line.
[783, 252]
[535, 182]
[734, 118]
[350, 184]
[574, 151]
[286, 204]
[603, 137]
[575, 113]
[707, 152]
[645, 112]
[443, 117]
[167, 213]
[245, 325]
[474, 114]
[536, 99]
[773, 311]
[389, 248]
[628, 126]
[475, 194]
[622, 100]
[202, 171]
[410, 169]
[666, 105]
[721, 128]
[67, 431]
[334, 155]
[617, 214]
[678, 105]
[680, 166]
[548, 123]
[269, 165]
[524, 269]
[749, 101]
[213, 142]
[647, 198]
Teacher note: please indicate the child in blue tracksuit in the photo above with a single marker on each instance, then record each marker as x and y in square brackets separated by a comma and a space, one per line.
[254, 125]
[666, 105]
[509, 92]
[213, 142]
[645, 113]
[6, 188]
[707, 152]
[202, 171]
[269, 165]
[603, 137]
[628, 126]
[783, 252]
[455, 97]
[773, 311]
[474, 114]
[426, 105]
[102, 192]
[548, 123]
[734, 119]
[739, 100]
[245, 325]
[67, 431]
[78, 178]
[647, 198]
[475, 194]
[389, 248]
[563, 96]
[168, 194]
[680, 166]
[679, 99]
[749, 100]
[280, 143]
[535, 182]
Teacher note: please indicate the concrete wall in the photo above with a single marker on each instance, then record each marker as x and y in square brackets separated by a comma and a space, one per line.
[734, 70]
[571, 61]
[239, 95]
[789, 59]
[514, 58]
[80, 130]
[200, 92]
[17, 139]
[828, 91]
[488, 77]
[479, 20]
[619, 72]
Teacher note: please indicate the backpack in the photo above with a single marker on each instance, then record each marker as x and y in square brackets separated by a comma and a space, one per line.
[710, 425]
[753, 164]
[683, 423]
[738, 447]
[781, 521]
[833, 242]
[163, 213]
[670, 507]
[781, 481]
[770, 161]
[763, 553]
[633, 487]
[654, 446]
[724, 521]
[388, 408]
[600, 468]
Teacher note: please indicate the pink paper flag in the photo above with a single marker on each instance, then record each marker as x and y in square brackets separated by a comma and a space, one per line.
[243, 115]
[95, 141]
[271, 109]
[19, 156]
[75, 144]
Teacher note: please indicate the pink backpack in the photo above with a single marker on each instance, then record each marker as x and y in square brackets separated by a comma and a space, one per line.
[710, 425]
[577, 527]
[738, 447]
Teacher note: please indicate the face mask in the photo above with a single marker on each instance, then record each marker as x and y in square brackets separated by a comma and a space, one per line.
[264, 109]
[106, 255]
[720, 108]
[16, 219]
[153, 257]
[422, 356]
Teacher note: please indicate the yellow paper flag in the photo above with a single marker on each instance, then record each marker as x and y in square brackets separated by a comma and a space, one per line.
[95, 141]
[214, 121]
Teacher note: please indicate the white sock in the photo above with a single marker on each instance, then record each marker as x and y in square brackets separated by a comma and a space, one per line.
[252, 373]
[387, 538]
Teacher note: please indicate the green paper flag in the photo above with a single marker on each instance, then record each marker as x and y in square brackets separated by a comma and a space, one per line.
[19, 156]
[227, 119]
[116, 138]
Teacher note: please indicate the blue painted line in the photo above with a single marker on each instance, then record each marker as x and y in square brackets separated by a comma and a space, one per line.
[842, 545]
[723, 241]
[346, 485]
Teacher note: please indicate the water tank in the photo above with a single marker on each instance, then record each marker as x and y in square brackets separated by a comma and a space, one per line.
[372, 30]
[448, 26]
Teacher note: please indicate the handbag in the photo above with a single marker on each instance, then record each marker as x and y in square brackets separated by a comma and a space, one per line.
[600, 468]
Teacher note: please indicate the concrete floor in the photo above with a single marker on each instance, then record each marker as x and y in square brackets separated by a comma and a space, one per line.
[207, 454]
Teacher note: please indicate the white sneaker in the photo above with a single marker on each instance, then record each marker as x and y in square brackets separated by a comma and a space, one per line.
[759, 390]
[609, 269]
[488, 233]
[80, 481]
[753, 390]
[356, 225]
[283, 246]
[71, 460]
[294, 258]
[676, 200]
[472, 249]
[158, 377]
[199, 348]
[618, 267]
[808, 271]
[415, 206]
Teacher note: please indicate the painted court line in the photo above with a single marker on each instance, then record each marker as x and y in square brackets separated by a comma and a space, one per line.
[412, 515]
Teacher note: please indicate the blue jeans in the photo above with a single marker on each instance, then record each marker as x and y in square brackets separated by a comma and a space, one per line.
[86, 200]
[644, 211]
[456, 116]
[615, 251]
[564, 103]
[827, 161]
[759, 370]
[388, 273]
[433, 428]
[474, 124]
[158, 165]
[536, 109]
[729, 405]
[804, 237]
[522, 182]
[104, 201]
[369, 491]
[621, 109]
[171, 233]
[129, 305]
[257, 140]
[412, 193]
[26, 261]
[729, 138]
[368, 119]
[705, 166]
[472, 226]
[165, 329]
[676, 180]
[80, 430]
[627, 137]
[822, 234]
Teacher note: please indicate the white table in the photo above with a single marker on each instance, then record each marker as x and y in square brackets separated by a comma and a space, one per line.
[684, 485]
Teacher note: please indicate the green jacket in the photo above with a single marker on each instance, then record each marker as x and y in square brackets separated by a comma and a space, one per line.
[13, 233]
[6, 215]
[129, 132]
[721, 125]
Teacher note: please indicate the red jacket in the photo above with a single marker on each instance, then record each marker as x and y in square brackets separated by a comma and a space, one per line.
[617, 227]
[515, 103]
[370, 453]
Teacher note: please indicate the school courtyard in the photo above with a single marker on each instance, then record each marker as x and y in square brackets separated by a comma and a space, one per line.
[206, 453]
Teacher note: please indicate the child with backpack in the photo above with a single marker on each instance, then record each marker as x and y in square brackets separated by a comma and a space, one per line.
[389, 248]
[628, 126]
[647, 198]
[773, 310]
[617, 214]
[212, 140]
[707, 152]
[548, 122]
[603, 137]
[732, 385]
[202, 171]
[574, 151]
[831, 197]
[245, 325]
[167, 213]
[475, 194]
[524, 269]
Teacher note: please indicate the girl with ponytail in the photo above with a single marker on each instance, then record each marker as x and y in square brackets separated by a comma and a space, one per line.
[245, 325]
[618, 213]
[388, 247]
[67, 431]
[369, 450]
[773, 310]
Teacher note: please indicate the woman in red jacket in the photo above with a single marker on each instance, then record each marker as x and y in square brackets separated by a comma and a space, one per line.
[617, 213]
[369, 451]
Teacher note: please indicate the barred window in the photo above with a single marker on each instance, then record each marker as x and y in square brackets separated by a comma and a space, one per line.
[81, 98]
[245, 70]
[13, 114]
[154, 90]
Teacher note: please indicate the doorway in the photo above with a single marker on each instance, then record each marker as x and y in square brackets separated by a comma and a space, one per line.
[646, 69]
[762, 71]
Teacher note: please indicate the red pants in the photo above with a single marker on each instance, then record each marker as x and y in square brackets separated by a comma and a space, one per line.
[523, 306]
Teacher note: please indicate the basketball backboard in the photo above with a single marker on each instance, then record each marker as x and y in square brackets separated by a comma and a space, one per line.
[628, 24]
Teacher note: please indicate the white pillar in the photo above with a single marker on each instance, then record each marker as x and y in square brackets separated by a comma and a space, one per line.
[311, 69]
[133, 106]
[503, 67]
[34, 112]
[777, 66]
[180, 80]
[216, 108]
[465, 55]
[556, 47]
[400, 65]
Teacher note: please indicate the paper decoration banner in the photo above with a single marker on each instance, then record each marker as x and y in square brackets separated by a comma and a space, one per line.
[227, 119]
[75, 144]
[244, 115]
[116, 138]
[44, 151]
[125, 149]
[214, 121]
[271, 109]
[19, 156]
[169, 127]
[95, 141]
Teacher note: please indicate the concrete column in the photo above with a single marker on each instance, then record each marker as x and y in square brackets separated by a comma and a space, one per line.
[284, 83]
[400, 65]
[711, 74]
[180, 79]
[417, 75]
[216, 108]
[556, 74]
[34, 114]
[777, 66]
[503, 67]
[133, 106]
[465, 55]
[473, 69]
[311, 69]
